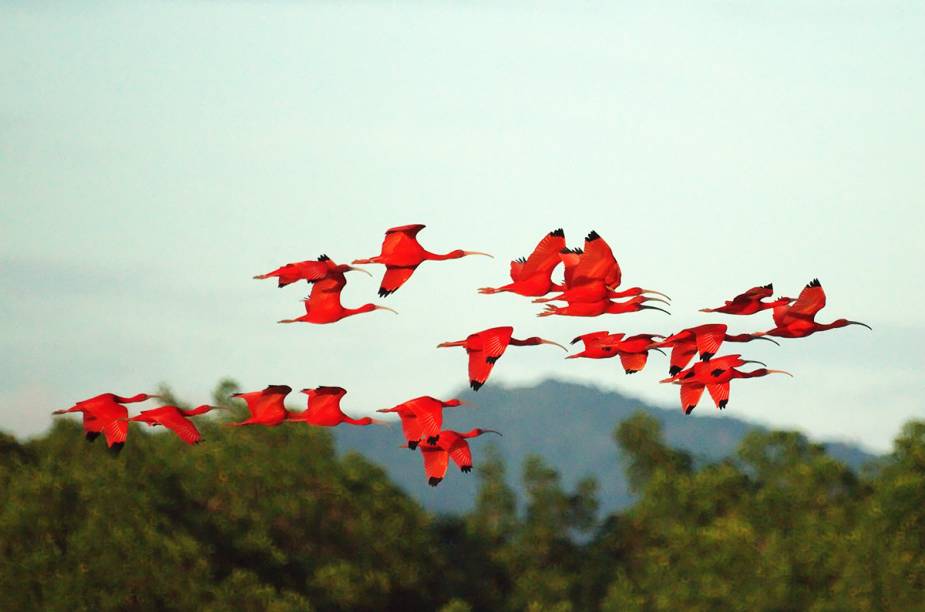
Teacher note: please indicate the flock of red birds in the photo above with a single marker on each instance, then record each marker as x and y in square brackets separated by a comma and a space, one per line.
[589, 288]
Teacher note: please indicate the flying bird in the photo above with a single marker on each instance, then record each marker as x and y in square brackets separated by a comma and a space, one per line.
[750, 302]
[592, 274]
[633, 351]
[266, 407]
[422, 417]
[175, 419]
[532, 276]
[594, 309]
[451, 445]
[310, 271]
[715, 376]
[324, 409]
[798, 320]
[705, 339]
[105, 414]
[401, 254]
[323, 303]
[486, 347]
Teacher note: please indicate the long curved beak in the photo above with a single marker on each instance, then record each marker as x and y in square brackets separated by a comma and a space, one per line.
[554, 343]
[477, 253]
[656, 293]
[655, 299]
[364, 271]
[757, 337]
[780, 372]
[659, 350]
[644, 307]
[492, 431]
[753, 361]
[859, 323]
[386, 308]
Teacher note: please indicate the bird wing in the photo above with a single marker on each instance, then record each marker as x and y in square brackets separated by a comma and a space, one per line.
[709, 340]
[593, 338]
[811, 301]
[435, 461]
[461, 454]
[410, 426]
[517, 267]
[570, 259]
[486, 348]
[545, 256]
[324, 300]
[268, 404]
[429, 413]
[325, 401]
[690, 396]
[633, 362]
[115, 431]
[719, 392]
[597, 263]
[395, 236]
[332, 282]
[682, 353]
[394, 278]
[755, 293]
[181, 426]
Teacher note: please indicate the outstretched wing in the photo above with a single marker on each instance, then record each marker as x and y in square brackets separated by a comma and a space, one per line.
[690, 396]
[410, 425]
[720, 394]
[461, 454]
[181, 426]
[429, 413]
[597, 264]
[115, 431]
[681, 355]
[395, 236]
[435, 463]
[394, 278]
[710, 339]
[325, 401]
[325, 299]
[593, 338]
[545, 256]
[570, 259]
[633, 362]
[811, 301]
[755, 293]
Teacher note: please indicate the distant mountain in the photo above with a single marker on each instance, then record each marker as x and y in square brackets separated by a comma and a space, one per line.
[535, 420]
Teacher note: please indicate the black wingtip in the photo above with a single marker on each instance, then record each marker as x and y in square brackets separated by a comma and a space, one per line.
[476, 385]
[706, 356]
[723, 403]
[413, 444]
[383, 292]
[432, 439]
[769, 287]
[323, 257]
[814, 283]
[91, 435]
[673, 370]
[116, 448]
[559, 233]
[592, 236]
[572, 251]
[466, 468]
[491, 360]
[521, 260]
[631, 371]
[433, 481]
[689, 409]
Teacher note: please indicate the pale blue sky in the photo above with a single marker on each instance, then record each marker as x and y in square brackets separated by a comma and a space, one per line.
[153, 157]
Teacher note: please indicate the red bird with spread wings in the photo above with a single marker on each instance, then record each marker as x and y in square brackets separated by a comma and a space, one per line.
[311, 271]
[267, 407]
[486, 347]
[422, 418]
[750, 302]
[592, 274]
[451, 445]
[401, 254]
[633, 351]
[324, 409]
[176, 420]
[705, 339]
[715, 376]
[798, 319]
[532, 276]
[105, 414]
[323, 303]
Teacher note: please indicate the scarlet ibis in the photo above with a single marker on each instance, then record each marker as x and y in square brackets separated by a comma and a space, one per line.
[594, 309]
[104, 414]
[324, 409]
[176, 420]
[633, 351]
[401, 254]
[797, 320]
[592, 274]
[323, 304]
[422, 417]
[715, 376]
[703, 338]
[750, 302]
[310, 271]
[266, 407]
[486, 347]
[450, 445]
[533, 275]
